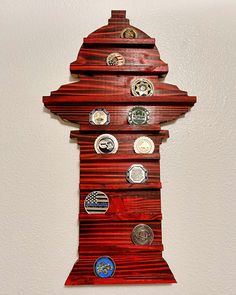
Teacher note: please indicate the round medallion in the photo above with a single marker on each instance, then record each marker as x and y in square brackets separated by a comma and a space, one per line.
[115, 59]
[138, 116]
[142, 234]
[136, 174]
[96, 202]
[99, 117]
[129, 33]
[142, 87]
[144, 145]
[104, 267]
[106, 144]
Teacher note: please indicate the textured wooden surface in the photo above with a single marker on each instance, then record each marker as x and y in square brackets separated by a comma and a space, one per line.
[109, 87]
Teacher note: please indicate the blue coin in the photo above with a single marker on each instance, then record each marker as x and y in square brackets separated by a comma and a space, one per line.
[104, 267]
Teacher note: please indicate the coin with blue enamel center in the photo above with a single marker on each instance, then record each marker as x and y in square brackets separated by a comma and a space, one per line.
[104, 267]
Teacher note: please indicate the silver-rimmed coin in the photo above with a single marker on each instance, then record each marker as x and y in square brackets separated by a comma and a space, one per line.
[96, 202]
[106, 144]
[142, 87]
[136, 174]
[104, 267]
[115, 59]
[99, 117]
[138, 115]
[142, 234]
[144, 145]
[129, 33]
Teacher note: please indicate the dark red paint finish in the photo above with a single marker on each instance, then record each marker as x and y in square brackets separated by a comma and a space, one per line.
[102, 86]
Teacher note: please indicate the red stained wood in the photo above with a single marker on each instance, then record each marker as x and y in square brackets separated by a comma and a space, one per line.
[126, 146]
[109, 87]
[105, 175]
[128, 204]
[143, 268]
[150, 42]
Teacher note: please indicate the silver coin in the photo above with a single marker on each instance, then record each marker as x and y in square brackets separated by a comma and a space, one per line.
[115, 59]
[138, 116]
[142, 87]
[99, 117]
[129, 33]
[144, 145]
[136, 174]
[96, 202]
[106, 144]
[142, 234]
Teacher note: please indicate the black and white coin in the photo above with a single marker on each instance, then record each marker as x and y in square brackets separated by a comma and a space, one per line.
[106, 144]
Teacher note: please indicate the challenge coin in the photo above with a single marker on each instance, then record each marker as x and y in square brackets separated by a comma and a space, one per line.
[142, 87]
[96, 202]
[129, 33]
[99, 117]
[104, 267]
[106, 144]
[136, 174]
[115, 59]
[142, 234]
[138, 115]
[144, 145]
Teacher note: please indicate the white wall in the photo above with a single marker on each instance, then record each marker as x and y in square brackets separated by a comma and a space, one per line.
[39, 164]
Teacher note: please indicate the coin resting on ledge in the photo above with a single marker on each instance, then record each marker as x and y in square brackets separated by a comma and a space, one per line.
[96, 202]
[136, 174]
[129, 33]
[138, 116]
[144, 145]
[99, 117]
[115, 59]
[106, 144]
[142, 87]
[104, 267]
[142, 234]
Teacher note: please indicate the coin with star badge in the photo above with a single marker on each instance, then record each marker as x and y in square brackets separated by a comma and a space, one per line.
[142, 87]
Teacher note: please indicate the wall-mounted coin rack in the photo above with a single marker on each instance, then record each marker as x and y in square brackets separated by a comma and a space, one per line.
[119, 102]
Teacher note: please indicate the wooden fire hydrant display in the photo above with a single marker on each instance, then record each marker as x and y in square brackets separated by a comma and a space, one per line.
[119, 103]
